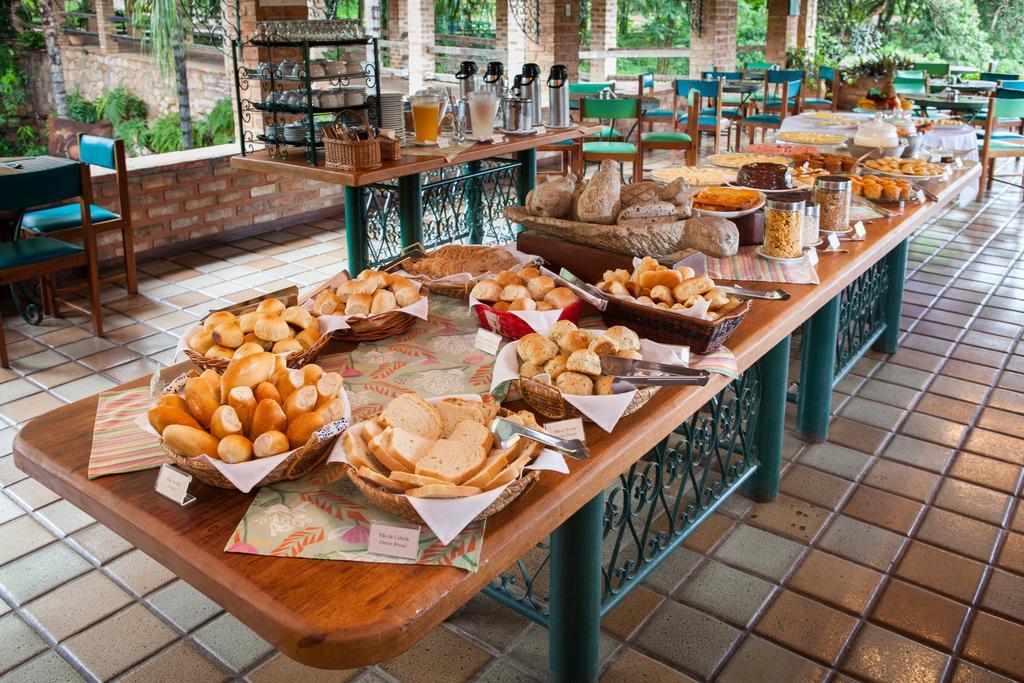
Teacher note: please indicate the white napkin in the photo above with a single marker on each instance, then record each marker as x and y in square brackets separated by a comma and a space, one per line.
[523, 260]
[539, 321]
[329, 323]
[604, 411]
[447, 517]
[699, 310]
[246, 475]
[183, 341]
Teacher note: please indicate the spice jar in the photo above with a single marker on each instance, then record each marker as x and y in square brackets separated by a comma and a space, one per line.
[809, 225]
[782, 223]
[832, 194]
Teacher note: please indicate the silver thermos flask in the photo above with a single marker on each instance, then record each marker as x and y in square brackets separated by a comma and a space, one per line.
[530, 88]
[558, 97]
[466, 76]
[494, 79]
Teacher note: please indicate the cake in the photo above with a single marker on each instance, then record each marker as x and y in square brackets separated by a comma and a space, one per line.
[765, 176]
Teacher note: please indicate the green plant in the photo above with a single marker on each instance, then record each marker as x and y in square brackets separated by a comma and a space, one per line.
[80, 109]
[218, 126]
[27, 142]
[135, 134]
[120, 104]
[31, 40]
[165, 134]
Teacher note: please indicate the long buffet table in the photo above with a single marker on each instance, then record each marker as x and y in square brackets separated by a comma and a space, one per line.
[340, 615]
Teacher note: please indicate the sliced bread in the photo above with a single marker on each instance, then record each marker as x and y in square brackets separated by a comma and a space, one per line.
[492, 466]
[451, 461]
[380, 447]
[407, 447]
[357, 453]
[509, 474]
[444, 491]
[380, 480]
[410, 480]
[456, 410]
[473, 433]
[412, 413]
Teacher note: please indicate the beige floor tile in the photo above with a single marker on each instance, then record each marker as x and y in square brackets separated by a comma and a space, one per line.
[1004, 595]
[282, 668]
[141, 573]
[633, 666]
[673, 570]
[182, 662]
[111, 646]
[946, 408]
[1012, 554]
[861, 542]
[440, 656]
[689, 640]
[928, 456]
[86, 347]
[489, 621]
[958, 533]
[16, 389]
[882, 656]
[100, 543]
[21, 536]
[901, 479]
[971, 673]
[38, 361]
[65, 335]
[726, 593]
[29, 407]
[835, 581]
[994, 474]
[759, 661]
[110, 358]
[19, 642]
[790, 517]
[77, 605]
[231, 641]
[844, 462]
[886, 510]
[710, 533]
[760, 552]
[183, 605]
[31, 494]
[49, 667]
[9, 509]
[940, 570]
[920, 614]
[815, 486]
[994, 445]
[633, 610]
[65, 517]
[43, 570]
[807, 626]
[995, 644]
[131, 333]
[83, 388]
[856, 435]
[65, 372]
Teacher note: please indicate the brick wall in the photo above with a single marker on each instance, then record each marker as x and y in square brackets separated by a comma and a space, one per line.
[782, 30]
[196, 195]
[716, 45]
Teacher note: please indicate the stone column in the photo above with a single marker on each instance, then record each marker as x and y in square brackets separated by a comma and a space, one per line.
[104, 27]
[781, 31]
[508, 36]
[559, 39]
[807, 27]
[715, 46]
[420, 39]
[397, 28]
[603, 29]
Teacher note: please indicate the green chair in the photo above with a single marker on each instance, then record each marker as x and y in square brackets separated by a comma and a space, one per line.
[790, 82]
[826, 90]
[732, 113]
[43, 257]
[933, 69]
[904, 85]
[624, 109]
[581, 90]
[1005, 122]
[997, 77]
[645, 86]
[1004, 106]
[919, 74]
[704, 98]
[760, 66]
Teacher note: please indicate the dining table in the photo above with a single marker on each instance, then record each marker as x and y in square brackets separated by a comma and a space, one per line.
[969, 105]
[971, 87]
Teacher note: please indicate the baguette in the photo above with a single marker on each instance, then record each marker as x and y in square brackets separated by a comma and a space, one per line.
[329, 385]
[268, 417]
[161, 416]
[174, 401]
[312, 373]
[270, 443]
[692, 286]
[213, 379]
[288, 382]
[302, 428]
[300, 402]
[201, 400]
[380, 447]
[244, 402]
[189, 441]
[225, 422]
[234, 449]
[247, 372]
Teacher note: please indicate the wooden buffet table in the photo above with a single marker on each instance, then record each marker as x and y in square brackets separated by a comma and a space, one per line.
[341, 614]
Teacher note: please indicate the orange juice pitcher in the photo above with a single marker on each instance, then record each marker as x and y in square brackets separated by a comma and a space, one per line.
[426, 117]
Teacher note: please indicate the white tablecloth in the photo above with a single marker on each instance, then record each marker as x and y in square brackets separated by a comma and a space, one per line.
[958, 139]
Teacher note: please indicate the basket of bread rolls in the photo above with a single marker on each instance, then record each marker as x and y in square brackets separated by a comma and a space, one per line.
[437, 450]
[257, 408]
[657, 302]
[370, 304]
[275, 324]
[568, 361]
[497, 300]
[453, 269]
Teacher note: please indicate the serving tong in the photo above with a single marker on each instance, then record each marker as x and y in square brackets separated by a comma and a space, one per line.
[506, 433]
[596, 298]
[638, 373]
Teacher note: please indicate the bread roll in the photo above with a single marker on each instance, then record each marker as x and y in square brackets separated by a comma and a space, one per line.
[299, 317]
[218, 318]
[225, 422]
[221, 352]
[505, 278]
[584, 362]
[329, 385]
[228, 334]
[331, 410]
[247, 321]
[289, 381]
[201, 400]
[544, 306]
[667, 278]
[406, 296]
[627, 339]
[211, 377]
[379, 278]
[270, 443]
[325, 303]
[302, 427]
[286, 346]
[271, 306]
[358, 304]
[575, 340]
[300, 401]
[247, 349]
[530, 370]
[718, 298]
[269, 391]
[603, 385]
[661, 293]
[271, 328]
[575, 383]
[243, 401]
[161, 416]
[556, 366]
[528, 272]
[307, 338]
[174, 401]
[383, 301]
[560, 297]
[346, 290]
[539, 286]
[268, 416]
[189, 441]
[486, 290]
[514, 291]
[234, 449]
[248, 371]
[560, 329]
[692, 286]
[603, 346]
[632, 355]
[501, 306]
[251, 338]
[524, 303]
[535, 348]
[201, 341]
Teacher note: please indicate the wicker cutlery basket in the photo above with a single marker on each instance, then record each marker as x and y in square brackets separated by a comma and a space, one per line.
[342, 149]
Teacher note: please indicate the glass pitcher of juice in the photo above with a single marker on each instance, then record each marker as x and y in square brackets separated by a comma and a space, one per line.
[426, 117]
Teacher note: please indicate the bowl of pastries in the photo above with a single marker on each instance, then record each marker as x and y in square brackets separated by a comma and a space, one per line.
[904, 168]
[727, 202]
[371, 304]
[438, 449]
[833, 163]
[258, 408]
[496, 301]
[656, 303]
[567, 360]
[883, 188]
[453, 270]
[246, 329]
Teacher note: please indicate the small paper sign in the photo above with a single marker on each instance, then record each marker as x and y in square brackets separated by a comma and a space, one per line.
[394, 540]
[958, 162]
[541, 130]
[833, 241]
[173, 483]
[858, 229]
[487, 341]
[567, 429]
[443, 143]
[812, 256]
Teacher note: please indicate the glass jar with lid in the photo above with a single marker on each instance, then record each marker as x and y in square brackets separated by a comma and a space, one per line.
[809, 235]
[783, 217]
[832, 194]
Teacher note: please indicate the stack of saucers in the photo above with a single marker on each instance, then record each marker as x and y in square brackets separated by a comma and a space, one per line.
[391, 114]
[295, 133]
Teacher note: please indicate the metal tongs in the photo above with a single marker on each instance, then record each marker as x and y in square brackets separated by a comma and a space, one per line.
[596, 298]
[639, 373]
[747, 293]
[507, 433]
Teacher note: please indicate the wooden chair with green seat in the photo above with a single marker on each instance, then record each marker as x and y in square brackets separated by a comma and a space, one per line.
[991, 148]
[1003, 123]
[705, 98]
[581, 90]
[933, 69]
[786, 102]
[65, 222]
[758, 67]
[621, 110]
[44, 257]
[733, 104]
[998, 77]
[826, 91]
[645, 86]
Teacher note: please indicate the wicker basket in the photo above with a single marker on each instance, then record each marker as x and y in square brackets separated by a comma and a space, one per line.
[649, 239]
[290, 297]
[511, 326]
[351, 154]
[297, 465]
[702, 336]
[390, 150]
[549, 402]
[399, 505]
[370, 328]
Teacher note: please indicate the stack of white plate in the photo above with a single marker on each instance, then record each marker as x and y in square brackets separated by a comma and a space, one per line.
[295, 133]
[391, 112]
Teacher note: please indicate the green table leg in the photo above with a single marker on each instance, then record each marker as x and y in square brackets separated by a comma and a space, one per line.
[527, 173]
[410, 209]
[817, 373]
[774, 366]
[475, 203]
[355, 229]
[896, 261]
[575, 603]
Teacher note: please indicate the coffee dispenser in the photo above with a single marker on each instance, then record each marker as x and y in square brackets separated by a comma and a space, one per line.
[467, 77]
[558, 97]
[494, 79]
[529, 88]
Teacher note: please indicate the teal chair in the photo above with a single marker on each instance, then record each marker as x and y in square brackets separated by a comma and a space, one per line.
[577, 91]
[826, 95]
[1005, 122]
[904, 85]
[786, 102]
[733, 101]
[1005, 105]
[933, 69]
[65, 222]
[622, 110]
[997, 77]
[645, 86]
[705, 98]
[44, 257]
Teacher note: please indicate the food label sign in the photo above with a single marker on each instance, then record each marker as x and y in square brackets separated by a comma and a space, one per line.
[394, 540]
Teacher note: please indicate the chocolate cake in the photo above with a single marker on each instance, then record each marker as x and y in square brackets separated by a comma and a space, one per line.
[764, 176]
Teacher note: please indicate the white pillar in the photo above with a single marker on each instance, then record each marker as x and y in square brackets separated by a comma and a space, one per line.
[420, 18]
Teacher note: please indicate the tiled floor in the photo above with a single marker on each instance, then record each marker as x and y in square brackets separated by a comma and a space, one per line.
[895, 552]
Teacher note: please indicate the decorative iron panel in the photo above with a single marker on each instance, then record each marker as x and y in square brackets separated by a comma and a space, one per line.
[861, 315]
[658, 501]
